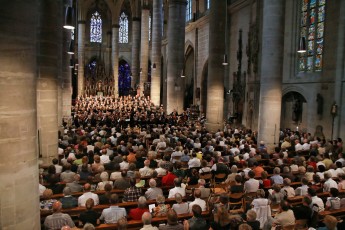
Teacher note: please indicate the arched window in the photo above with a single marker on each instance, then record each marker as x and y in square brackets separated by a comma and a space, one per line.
[96, 28]
[123, 30]
[189, 11]
[207, 4]
[312, 23]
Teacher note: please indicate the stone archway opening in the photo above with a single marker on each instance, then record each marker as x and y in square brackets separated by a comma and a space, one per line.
[294, 111]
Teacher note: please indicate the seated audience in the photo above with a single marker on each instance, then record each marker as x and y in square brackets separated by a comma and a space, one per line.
[132, 193]
[87, 194]
[112, 214]
[68, 201]
[197, 222]
[153, 191]
[180, 207]
[161, 209]
[57, 220]
[89, 216]
[198, 201]
[136, 213]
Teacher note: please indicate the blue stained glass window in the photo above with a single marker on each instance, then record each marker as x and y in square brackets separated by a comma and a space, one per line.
[312, 23]
[124, 78]
[123, 30]
[208, 4]
[189, 11]
[96, 28]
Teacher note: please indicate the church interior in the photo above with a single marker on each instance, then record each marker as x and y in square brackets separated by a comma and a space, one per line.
[260, 65]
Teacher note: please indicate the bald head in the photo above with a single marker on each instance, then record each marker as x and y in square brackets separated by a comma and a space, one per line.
[57, 206]
[146, 218]
[87, 187]
[152, 183]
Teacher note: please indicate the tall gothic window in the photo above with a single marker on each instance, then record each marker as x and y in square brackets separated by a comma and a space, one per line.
[208, 4]
[96, 28]
[123, 30]
[189, 11]
[312, 25]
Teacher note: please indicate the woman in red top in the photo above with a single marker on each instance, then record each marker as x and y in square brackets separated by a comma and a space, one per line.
[265, 182]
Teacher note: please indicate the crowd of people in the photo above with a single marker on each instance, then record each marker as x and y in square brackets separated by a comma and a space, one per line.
[129, 144]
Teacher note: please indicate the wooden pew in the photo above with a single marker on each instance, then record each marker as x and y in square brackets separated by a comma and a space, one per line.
[99, 208]
[336, 213]
[137, 224]
[117, 191]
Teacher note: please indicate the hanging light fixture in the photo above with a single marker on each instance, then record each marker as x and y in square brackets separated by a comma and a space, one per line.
[225, 60]
[69, 18]
[141, 70]
[71, 47]
[183, 73]
[302, 45]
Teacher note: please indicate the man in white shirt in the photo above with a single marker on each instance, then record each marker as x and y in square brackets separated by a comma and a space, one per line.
[161, 171]
[316, 200]
[177, 189]
[298, 146]
[176, 155]
[58, 168]
[306, 145]
[302, 190]
[146, 171]
[104, 158]
[198, 201]
[251, 185]
[87, 194]
[194, 161]
[112, 214]
[329, 182]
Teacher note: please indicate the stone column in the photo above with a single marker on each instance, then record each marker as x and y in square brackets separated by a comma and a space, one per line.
[81, 56]
[339, 73]
[157, 25]
[135, 68]
[18, 137]
[216, 71]
[271, 71]
[47, 81]
[66, 84]
[175, 54]
[144, 47]
[115, 57]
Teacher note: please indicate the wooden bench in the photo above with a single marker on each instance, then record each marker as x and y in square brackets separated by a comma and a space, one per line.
[137, 224]
[99, 208]
[336, 213]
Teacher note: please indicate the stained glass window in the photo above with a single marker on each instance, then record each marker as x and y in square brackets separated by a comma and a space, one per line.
[312, 25]
[189, 11]
[72, 34]
[124, 78]
[207, 4]
[123, 30]
[96, 28]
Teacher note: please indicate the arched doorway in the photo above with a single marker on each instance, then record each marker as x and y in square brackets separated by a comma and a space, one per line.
[294, 111]
[124, 78]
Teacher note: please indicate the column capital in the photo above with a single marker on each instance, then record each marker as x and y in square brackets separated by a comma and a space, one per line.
[81, 22]
[115, 26]
[136, 19]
